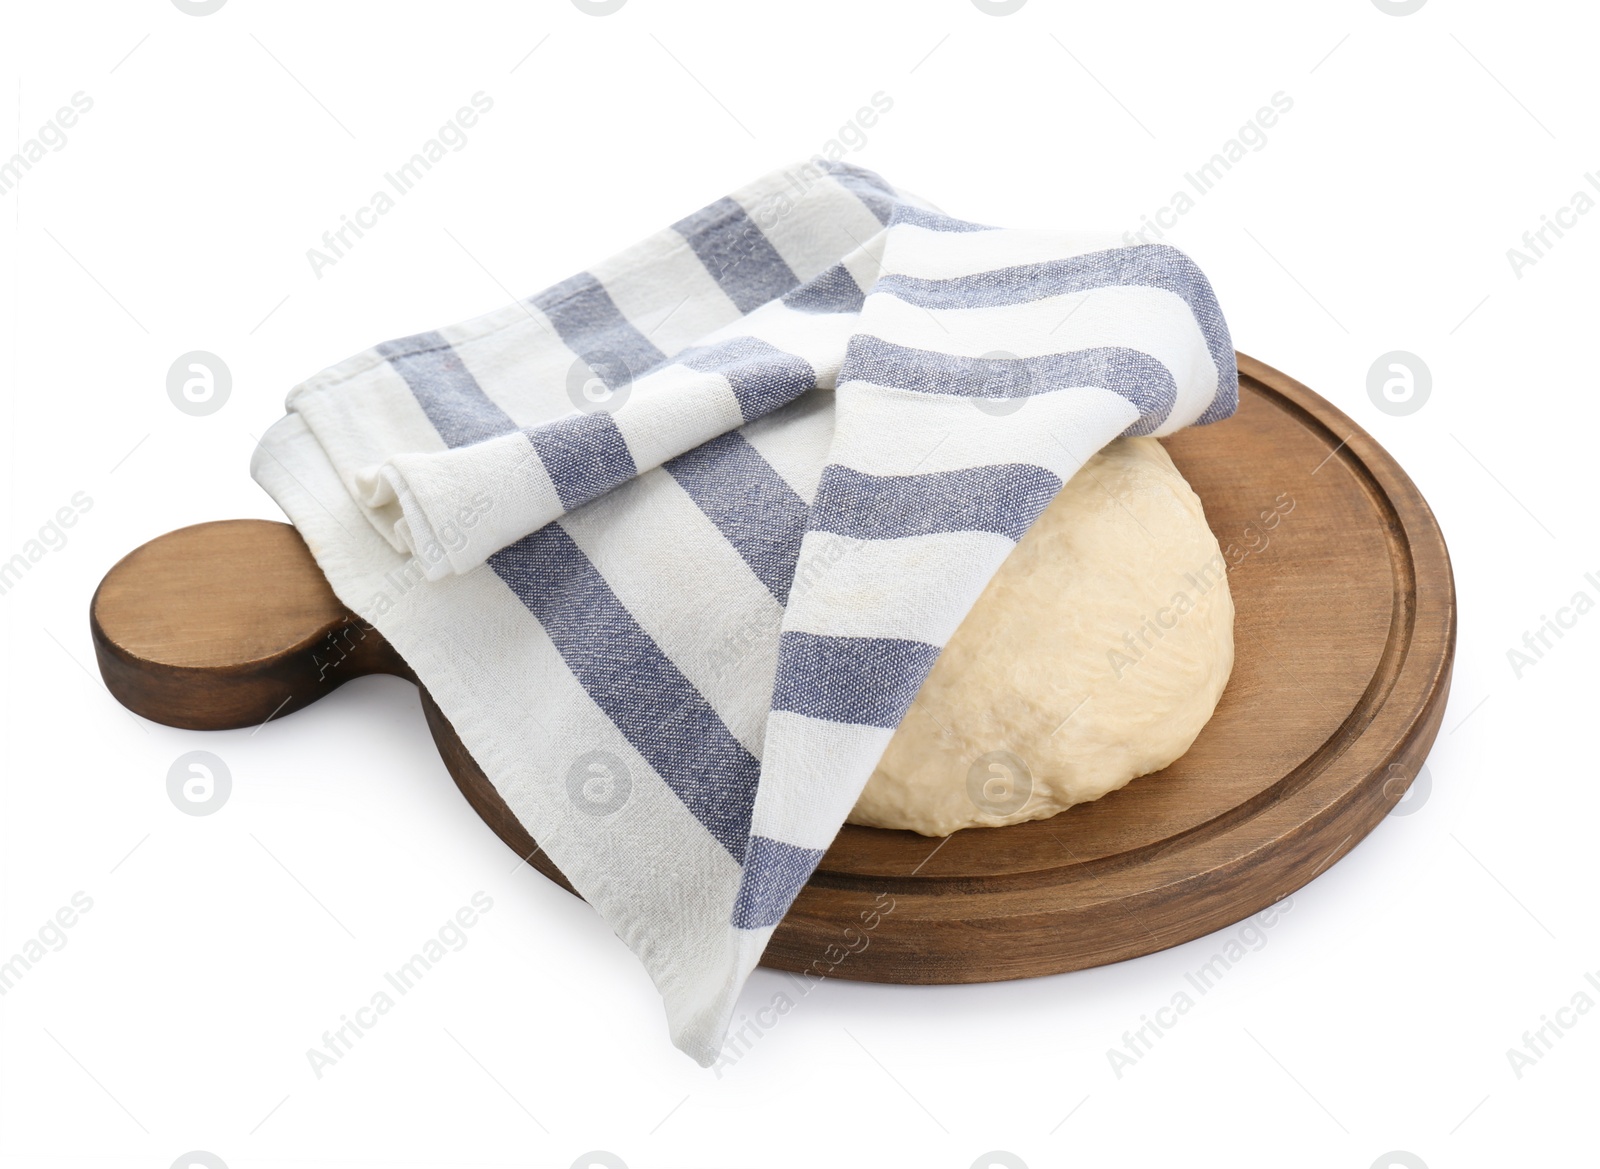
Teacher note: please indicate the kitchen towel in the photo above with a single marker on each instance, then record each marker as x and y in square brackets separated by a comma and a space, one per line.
[674, 543]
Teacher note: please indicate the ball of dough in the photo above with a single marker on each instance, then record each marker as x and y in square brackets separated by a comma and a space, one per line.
[1095, 655]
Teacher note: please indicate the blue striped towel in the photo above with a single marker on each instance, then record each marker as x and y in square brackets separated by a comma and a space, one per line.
[674, 543]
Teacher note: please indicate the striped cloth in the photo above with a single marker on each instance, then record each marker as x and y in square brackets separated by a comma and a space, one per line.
[674, 543]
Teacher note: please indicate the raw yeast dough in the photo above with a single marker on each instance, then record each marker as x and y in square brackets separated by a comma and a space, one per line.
[1095, 655]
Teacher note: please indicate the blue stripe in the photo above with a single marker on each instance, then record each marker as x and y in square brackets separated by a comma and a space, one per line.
[741, 259]
[774, 874]
[751, 505]
[761, 376]
[591, 325]
[446, 390]
[878, 196]
[869, 681]
[1146, 265]
[933, 220]
[834, 291]
[1004, 499]
[585, 456]
[1138, 377]
[634, 683]
[887, 205]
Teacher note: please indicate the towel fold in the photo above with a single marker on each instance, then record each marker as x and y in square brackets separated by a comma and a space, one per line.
[674, 543]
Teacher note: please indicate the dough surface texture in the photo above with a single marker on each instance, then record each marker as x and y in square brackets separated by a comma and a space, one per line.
[1095, 655]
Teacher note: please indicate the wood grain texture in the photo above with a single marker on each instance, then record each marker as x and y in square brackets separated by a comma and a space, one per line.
[1344, 640]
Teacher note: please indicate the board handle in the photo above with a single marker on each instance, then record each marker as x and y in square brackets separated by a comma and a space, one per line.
[227, 624]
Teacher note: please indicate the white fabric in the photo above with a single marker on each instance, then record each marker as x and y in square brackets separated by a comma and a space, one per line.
[674, 543]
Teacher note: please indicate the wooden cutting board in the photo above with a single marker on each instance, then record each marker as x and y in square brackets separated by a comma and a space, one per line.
[1344, 639]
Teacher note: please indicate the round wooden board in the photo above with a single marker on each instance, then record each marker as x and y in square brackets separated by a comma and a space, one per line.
[1344, 639]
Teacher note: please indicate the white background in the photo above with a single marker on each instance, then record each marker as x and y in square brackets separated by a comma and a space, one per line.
[177, 217]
